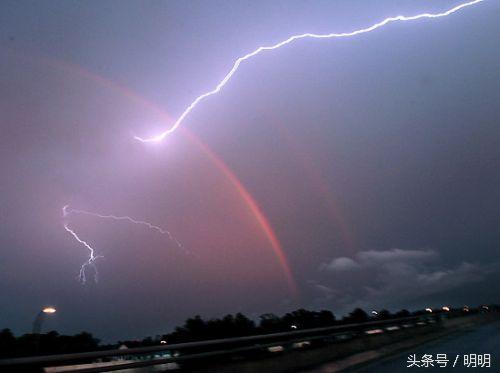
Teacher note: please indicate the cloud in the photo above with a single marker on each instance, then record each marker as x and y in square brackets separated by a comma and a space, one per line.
[376, 258]
[396, 255]
[340, 264]
[392, 277]
[445, 279]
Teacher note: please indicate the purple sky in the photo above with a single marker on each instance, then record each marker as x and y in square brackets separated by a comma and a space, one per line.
[374, 160]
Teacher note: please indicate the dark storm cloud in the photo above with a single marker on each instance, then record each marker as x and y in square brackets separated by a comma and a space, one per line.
[390, 278]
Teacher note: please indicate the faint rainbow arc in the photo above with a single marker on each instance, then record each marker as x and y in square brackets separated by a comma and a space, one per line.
[256, 211]
[318, 182]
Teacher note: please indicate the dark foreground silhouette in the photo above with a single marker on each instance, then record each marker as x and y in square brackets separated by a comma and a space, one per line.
[198, 329]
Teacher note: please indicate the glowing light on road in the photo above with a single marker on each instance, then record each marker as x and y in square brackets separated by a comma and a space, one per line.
[291, 39]
[374, 331]
[49, 310]
[92, 257]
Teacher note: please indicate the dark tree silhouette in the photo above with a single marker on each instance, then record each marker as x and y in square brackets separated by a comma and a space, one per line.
[271, 323]
[384, 315]
[243, 325]
[197, 329]
[402, 313]
[7, 343]
[305, 319]
[48, 343]
[357, 316]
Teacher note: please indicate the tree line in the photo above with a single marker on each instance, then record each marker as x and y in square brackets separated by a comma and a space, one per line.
[45, 344]
[196, 329]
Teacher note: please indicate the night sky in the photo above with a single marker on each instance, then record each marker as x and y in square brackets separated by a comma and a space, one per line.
[327, 174]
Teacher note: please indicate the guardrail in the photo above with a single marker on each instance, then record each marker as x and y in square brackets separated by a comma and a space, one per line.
[243, 347]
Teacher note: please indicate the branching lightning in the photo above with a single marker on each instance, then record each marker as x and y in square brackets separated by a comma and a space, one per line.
[92, 257]
[291, 39]
[67, 211]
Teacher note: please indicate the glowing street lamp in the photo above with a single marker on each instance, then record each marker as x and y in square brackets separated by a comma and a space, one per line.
[37, 323]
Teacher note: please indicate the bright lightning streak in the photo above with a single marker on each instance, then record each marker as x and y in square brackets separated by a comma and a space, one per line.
[67, 210]
[291, 39]
[92, 256]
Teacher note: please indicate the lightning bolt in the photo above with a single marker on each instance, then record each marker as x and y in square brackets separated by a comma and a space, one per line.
[291, 39]
[92, 257]
[67, 210]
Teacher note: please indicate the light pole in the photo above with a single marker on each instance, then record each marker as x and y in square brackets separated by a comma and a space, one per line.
[37, 323]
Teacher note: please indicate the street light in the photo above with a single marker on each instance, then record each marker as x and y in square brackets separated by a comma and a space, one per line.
[37, 323]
